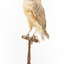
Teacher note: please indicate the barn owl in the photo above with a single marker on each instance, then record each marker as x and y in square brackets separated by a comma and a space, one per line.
[36, 17]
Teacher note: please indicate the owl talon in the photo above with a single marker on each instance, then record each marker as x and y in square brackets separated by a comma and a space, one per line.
[38, 39]
[34, 36]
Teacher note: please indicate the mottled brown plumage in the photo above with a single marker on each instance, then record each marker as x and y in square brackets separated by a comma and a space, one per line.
[39, 14]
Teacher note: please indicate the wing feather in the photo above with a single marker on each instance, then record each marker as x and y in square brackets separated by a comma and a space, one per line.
[39, 14]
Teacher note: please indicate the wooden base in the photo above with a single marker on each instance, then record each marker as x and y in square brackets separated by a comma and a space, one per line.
[30, 39]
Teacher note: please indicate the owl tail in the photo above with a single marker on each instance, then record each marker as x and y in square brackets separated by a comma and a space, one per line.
[46, 34]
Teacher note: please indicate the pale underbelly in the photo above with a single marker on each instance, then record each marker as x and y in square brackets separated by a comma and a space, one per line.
[31, 19]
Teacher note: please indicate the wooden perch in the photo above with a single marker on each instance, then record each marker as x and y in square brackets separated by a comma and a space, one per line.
[30, 39]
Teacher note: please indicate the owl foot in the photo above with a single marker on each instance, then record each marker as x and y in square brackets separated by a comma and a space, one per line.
[35, 37]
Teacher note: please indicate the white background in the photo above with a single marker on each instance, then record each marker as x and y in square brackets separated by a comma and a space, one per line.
[13, 24]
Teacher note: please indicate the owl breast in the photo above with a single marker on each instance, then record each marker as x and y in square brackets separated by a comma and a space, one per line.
[29, 14]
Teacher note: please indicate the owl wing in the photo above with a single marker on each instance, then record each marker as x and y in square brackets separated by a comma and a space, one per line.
[39, 14]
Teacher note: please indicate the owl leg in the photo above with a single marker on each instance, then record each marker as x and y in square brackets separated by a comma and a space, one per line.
[35, 35]
[30, 28]
[34, 32]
